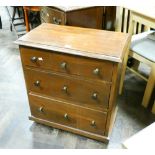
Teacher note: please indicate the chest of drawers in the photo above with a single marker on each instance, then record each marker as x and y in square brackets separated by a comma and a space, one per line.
[72, 75]
[98, 17]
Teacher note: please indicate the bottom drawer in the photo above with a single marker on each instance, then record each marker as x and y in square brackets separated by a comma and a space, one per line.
[67, 114]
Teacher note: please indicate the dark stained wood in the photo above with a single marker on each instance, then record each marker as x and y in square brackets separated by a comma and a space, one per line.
[76, 117]
[104, 45]
[88, 17]
[98, 17]
[58, 93]
[78, 90]
[70, 129]
[74, 65]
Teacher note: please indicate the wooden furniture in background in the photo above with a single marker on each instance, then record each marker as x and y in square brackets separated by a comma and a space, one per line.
[90, 17]
[140, 20]
[26, 9]
[72, 77]
[143, 139]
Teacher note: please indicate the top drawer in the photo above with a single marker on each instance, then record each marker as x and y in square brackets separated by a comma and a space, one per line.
[69, 64]
[53, 16]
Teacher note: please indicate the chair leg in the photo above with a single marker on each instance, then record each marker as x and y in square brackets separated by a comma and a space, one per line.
[153, 109]
[149, 87]
[124, 65]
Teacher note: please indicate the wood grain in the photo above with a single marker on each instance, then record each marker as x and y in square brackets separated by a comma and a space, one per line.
[80, 66]
[73, 40]
[78, 91]
[78, 117]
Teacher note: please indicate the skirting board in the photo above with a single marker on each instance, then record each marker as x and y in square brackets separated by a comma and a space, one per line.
[73, 130]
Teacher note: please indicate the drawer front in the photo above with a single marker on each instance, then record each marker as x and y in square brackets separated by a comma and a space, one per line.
[57, 17]
[66, 114]
[69, 64]
[86, 93]
[35, 58]
[53, 16]
[44, 14]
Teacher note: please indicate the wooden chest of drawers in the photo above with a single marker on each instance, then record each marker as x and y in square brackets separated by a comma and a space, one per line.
[98, 17]
[72, 76]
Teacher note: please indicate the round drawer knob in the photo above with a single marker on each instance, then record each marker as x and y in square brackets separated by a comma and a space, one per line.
[65, 89]
[94, 96]
[96, 71]
[37, 83]
[34, 59]
[56, 21]
[66, 116]
[93, 123]
[63, 65]
[40, 109]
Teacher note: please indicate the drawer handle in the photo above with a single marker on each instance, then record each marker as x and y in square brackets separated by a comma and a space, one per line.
[40, 109]
[56, 21]
[96, 71]
[66, 116]
[94, 96]
[34, 59]
[65, 89]
[63, 65]
[93, 123]
[37, 83]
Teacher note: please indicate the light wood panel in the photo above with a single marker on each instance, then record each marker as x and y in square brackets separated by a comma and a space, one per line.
[99, 44]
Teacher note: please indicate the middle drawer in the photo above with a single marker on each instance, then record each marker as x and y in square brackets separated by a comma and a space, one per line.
[92, 94]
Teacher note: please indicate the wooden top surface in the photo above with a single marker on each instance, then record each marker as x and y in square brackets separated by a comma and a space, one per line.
[143, 139]
[93, 43]
[148, 11]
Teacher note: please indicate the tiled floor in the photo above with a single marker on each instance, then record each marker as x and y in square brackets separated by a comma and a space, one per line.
[16, 131]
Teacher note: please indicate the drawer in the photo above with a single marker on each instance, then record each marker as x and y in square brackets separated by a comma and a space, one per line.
[44, 14]
[58, 17]
[66, 114]
[69, 64]
[75, 90]
[51, 15]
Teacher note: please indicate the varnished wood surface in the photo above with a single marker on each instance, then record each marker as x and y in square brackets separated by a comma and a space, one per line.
[77, 117]
[80, 66]
[78, 41]
[78, 91]
[17, 132]
[92, 17]
[82, 90]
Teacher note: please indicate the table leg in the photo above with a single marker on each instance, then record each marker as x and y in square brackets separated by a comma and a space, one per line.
[26, 20]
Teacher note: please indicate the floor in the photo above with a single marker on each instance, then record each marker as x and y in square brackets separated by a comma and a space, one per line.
[16, 131]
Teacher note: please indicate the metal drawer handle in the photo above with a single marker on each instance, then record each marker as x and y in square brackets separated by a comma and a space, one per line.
[56, 21]
[66, 116]
[96, 71]
[40, 109]
[37, 83]
[94, 96]
[65, 89]
[63, 65]
[93, 123]
[34, 59]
